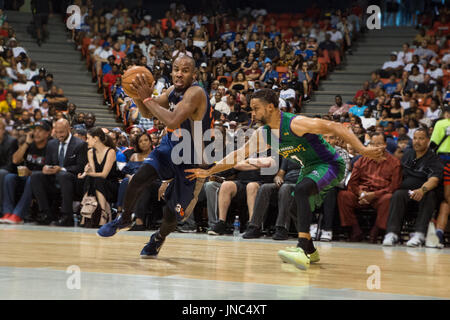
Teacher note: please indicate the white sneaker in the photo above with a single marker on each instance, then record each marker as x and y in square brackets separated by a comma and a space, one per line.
[313, 231]
[390, 239]
[326, 235]
[417, 240]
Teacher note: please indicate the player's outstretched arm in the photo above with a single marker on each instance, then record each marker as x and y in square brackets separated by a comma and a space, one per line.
[302, 125]
[255, 144]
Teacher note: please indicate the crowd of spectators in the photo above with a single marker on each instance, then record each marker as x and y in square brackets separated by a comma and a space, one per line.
[398, 108]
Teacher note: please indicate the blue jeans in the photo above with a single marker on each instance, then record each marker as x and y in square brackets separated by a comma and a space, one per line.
[10, 183]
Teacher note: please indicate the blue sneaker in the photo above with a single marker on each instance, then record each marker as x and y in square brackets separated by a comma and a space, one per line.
[151, 249]
[111, 228]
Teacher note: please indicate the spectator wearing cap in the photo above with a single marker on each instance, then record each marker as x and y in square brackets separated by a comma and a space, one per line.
[45, 86]
[30, 157]
[101, 56]
[435, 72]
[393, 66]
[8, 146]
[80, 133]
[40, 76]
[65, 158]
[286, 93]
[12, 43]
[336, 36]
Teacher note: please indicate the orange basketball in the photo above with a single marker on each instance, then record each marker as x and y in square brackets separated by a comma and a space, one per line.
[129, 76]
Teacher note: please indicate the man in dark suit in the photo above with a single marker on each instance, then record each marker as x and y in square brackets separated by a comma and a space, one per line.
[8, 145]
[66, 156]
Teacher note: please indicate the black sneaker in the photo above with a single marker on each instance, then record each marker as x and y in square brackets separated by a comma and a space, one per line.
[281, 233]
[218, 229]
[252, 232]
[186, 228]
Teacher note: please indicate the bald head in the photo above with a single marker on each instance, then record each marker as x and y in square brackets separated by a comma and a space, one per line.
[62, 129]
[185, 59]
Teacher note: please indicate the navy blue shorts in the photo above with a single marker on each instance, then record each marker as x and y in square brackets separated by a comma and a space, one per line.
[182, 194]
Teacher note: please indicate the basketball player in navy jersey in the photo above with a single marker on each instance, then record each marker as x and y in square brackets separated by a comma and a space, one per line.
[182, 104]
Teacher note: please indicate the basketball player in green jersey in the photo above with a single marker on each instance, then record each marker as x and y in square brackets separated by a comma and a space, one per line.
[299, 139]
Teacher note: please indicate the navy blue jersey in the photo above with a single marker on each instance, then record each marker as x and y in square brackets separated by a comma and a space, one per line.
[181, 194]
[207, 121]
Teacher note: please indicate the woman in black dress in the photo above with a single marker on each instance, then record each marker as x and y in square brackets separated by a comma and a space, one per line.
[102, 176]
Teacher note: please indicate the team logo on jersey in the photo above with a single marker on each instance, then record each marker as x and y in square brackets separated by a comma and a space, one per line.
[179, 209]
[315, 173]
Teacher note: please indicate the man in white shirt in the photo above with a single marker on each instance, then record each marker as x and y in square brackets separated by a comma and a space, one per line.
[22, 86]
[433, 112]
[286, 93]
[222, 106]
[15, 49]
[415, 62]
[435, 72]
[336, 36]
[182, 22]
[405, 55]
[101, 56]
[392, 66]
[368, 120]
[223, 50]
[30, 104]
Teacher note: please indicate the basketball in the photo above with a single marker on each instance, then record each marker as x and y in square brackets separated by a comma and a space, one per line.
[130, 74]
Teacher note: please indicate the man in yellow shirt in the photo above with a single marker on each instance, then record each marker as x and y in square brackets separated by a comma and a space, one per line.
[8, 104]
[441, 143]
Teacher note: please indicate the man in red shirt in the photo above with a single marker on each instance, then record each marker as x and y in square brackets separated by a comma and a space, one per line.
[254, 72]
[109, 79]
[364, 91]
[372, 184]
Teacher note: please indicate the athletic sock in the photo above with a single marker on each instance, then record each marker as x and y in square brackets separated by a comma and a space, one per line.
[306, 244]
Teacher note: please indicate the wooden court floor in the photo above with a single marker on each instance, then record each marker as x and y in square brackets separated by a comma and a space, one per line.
[404, 271]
